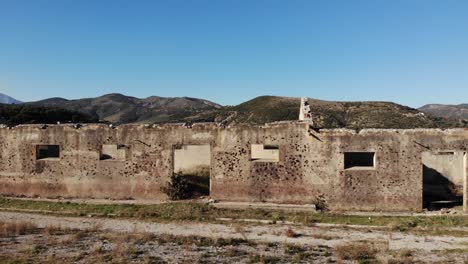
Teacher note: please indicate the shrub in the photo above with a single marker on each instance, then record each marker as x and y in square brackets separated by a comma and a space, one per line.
[177, 188]
[409, 224]
[320, 204]
[290, 233]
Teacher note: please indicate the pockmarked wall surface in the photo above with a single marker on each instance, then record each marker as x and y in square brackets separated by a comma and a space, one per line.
[370, 170]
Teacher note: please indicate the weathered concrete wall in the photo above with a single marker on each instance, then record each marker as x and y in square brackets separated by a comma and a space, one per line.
[79, 172]
[310, 163]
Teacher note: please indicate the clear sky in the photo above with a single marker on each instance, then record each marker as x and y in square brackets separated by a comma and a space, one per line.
[410, 51]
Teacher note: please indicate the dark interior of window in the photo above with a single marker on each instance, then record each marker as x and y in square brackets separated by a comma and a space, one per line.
[270, 147]
[358, 159]
[47, 151]
[105, 157]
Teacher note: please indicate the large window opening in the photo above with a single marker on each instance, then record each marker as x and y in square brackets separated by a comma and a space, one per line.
[264, 153]
[47, 152]
[192, 163]
[443, 174]
[113, 152]
[358, 160]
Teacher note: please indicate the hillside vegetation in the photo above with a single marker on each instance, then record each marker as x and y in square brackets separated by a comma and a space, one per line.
[27, 114]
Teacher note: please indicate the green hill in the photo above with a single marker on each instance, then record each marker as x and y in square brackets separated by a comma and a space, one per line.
[330, 114]
[27, 114]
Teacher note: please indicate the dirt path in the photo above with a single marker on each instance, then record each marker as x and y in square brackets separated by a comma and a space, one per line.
[329, 236]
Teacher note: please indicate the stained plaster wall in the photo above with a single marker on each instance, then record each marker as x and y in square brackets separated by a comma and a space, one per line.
[311, 163]
[79, 172]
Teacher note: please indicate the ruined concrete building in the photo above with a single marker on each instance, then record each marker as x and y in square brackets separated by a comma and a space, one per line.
[286, 162]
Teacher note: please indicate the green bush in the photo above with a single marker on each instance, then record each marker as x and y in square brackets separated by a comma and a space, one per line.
[320, 204]
[28, 114]
[177, 188]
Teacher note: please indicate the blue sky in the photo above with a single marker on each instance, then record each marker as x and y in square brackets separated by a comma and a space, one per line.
[410, 51]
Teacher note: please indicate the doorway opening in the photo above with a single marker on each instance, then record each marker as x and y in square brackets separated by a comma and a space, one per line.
[443, 174]
[193, 163]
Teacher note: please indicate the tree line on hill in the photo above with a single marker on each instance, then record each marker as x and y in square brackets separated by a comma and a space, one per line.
[12, 115]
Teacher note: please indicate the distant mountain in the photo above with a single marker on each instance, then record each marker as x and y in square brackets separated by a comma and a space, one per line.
[118, 108]
[446, 111]
[5, 99]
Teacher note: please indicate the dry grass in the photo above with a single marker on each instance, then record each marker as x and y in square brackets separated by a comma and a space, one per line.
[362, 251]
[88, 246]
[16, 229]
[53, 230]
[75, 237]
[56, 245]
[79, 235]
[324, 236]
[404, 256]
[291, 233]
[240, 230]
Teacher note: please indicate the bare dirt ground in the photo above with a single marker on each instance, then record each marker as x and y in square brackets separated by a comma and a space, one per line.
[260, 243]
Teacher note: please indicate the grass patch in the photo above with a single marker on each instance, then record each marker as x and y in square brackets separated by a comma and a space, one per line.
[197, 212]
[455, 250]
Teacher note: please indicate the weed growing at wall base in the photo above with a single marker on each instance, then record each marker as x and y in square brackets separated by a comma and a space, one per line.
[177, 188]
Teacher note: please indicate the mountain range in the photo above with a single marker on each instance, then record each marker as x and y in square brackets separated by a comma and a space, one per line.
[120, 109]
[447, 111]
[5, 99]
